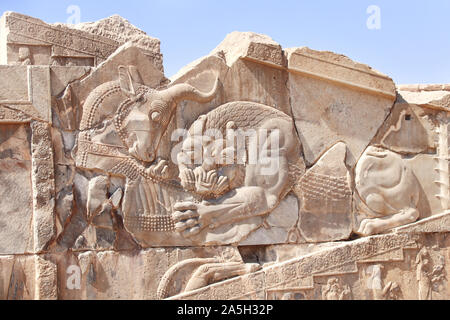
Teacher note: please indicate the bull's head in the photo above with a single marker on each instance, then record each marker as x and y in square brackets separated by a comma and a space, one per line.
[144, 117]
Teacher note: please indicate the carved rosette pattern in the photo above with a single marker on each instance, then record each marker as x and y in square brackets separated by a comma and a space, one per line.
[442, 160]
[101, 149]
[43, 185]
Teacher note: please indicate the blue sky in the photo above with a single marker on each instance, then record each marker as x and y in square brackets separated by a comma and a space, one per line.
[412, 46]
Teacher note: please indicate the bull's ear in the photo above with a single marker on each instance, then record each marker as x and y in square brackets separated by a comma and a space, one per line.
[127, 83]
[135, 76]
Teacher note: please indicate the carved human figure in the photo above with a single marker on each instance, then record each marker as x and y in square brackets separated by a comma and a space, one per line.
[390, 291]
[334, 290]
[430, 274]
[423, 271]
[375, 282]
[24, 57]
[241, 193]
[388, 188]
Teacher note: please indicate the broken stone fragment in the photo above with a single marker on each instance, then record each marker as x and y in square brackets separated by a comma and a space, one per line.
[30, 41]
[336, 99]
[326, 198]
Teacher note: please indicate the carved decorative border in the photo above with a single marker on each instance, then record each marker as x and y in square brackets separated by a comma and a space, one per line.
[279, 276]
[65, 38]
[43, 185]
[43, 189]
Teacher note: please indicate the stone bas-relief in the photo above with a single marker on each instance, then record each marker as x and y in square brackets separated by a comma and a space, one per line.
[256, 172]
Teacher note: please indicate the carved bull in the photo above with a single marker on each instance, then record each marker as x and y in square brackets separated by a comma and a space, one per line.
[121, 129]
[389, 189]
[126, 118]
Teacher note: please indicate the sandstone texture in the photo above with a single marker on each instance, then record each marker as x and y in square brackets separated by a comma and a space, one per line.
[256, 172]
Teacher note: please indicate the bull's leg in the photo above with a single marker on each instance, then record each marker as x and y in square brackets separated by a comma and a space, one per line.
[215, 272]
[374, 226]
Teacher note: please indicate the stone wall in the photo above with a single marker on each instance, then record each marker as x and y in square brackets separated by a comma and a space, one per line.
[256, 172]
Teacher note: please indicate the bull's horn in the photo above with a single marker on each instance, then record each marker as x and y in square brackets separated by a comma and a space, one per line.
[184, 91]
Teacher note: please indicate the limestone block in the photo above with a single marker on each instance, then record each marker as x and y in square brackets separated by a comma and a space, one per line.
[326, 198]
[409, 129]
[437, 100]
[16, 213]
[246, 74]
[63, 144]
[68, 107]
[122, 31]
[388, 267]
[18, 281]
[30, 41]
[278, 227]
[28, 90]
[423, 87]
[22, 31]
[251, 46]
[335, 99]
[106, 275]
[61, 77]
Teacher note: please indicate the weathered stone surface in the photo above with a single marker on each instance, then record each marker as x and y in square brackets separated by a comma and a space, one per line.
[252, 46]
[18, 281]
[27, 91]
[436, 100]
[279, 227]
[326, 198]
[106, 275]
[377, 268]
[408, 130]
[16, 205]
[335, 99]
[42, 179]
[242, 78]
[122, 31]
[46, 279]
[30, 41]
[254, 173]
[60, 78]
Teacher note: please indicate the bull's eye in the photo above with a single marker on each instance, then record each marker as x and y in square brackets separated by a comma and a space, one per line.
[156, 116]
[141, 98]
